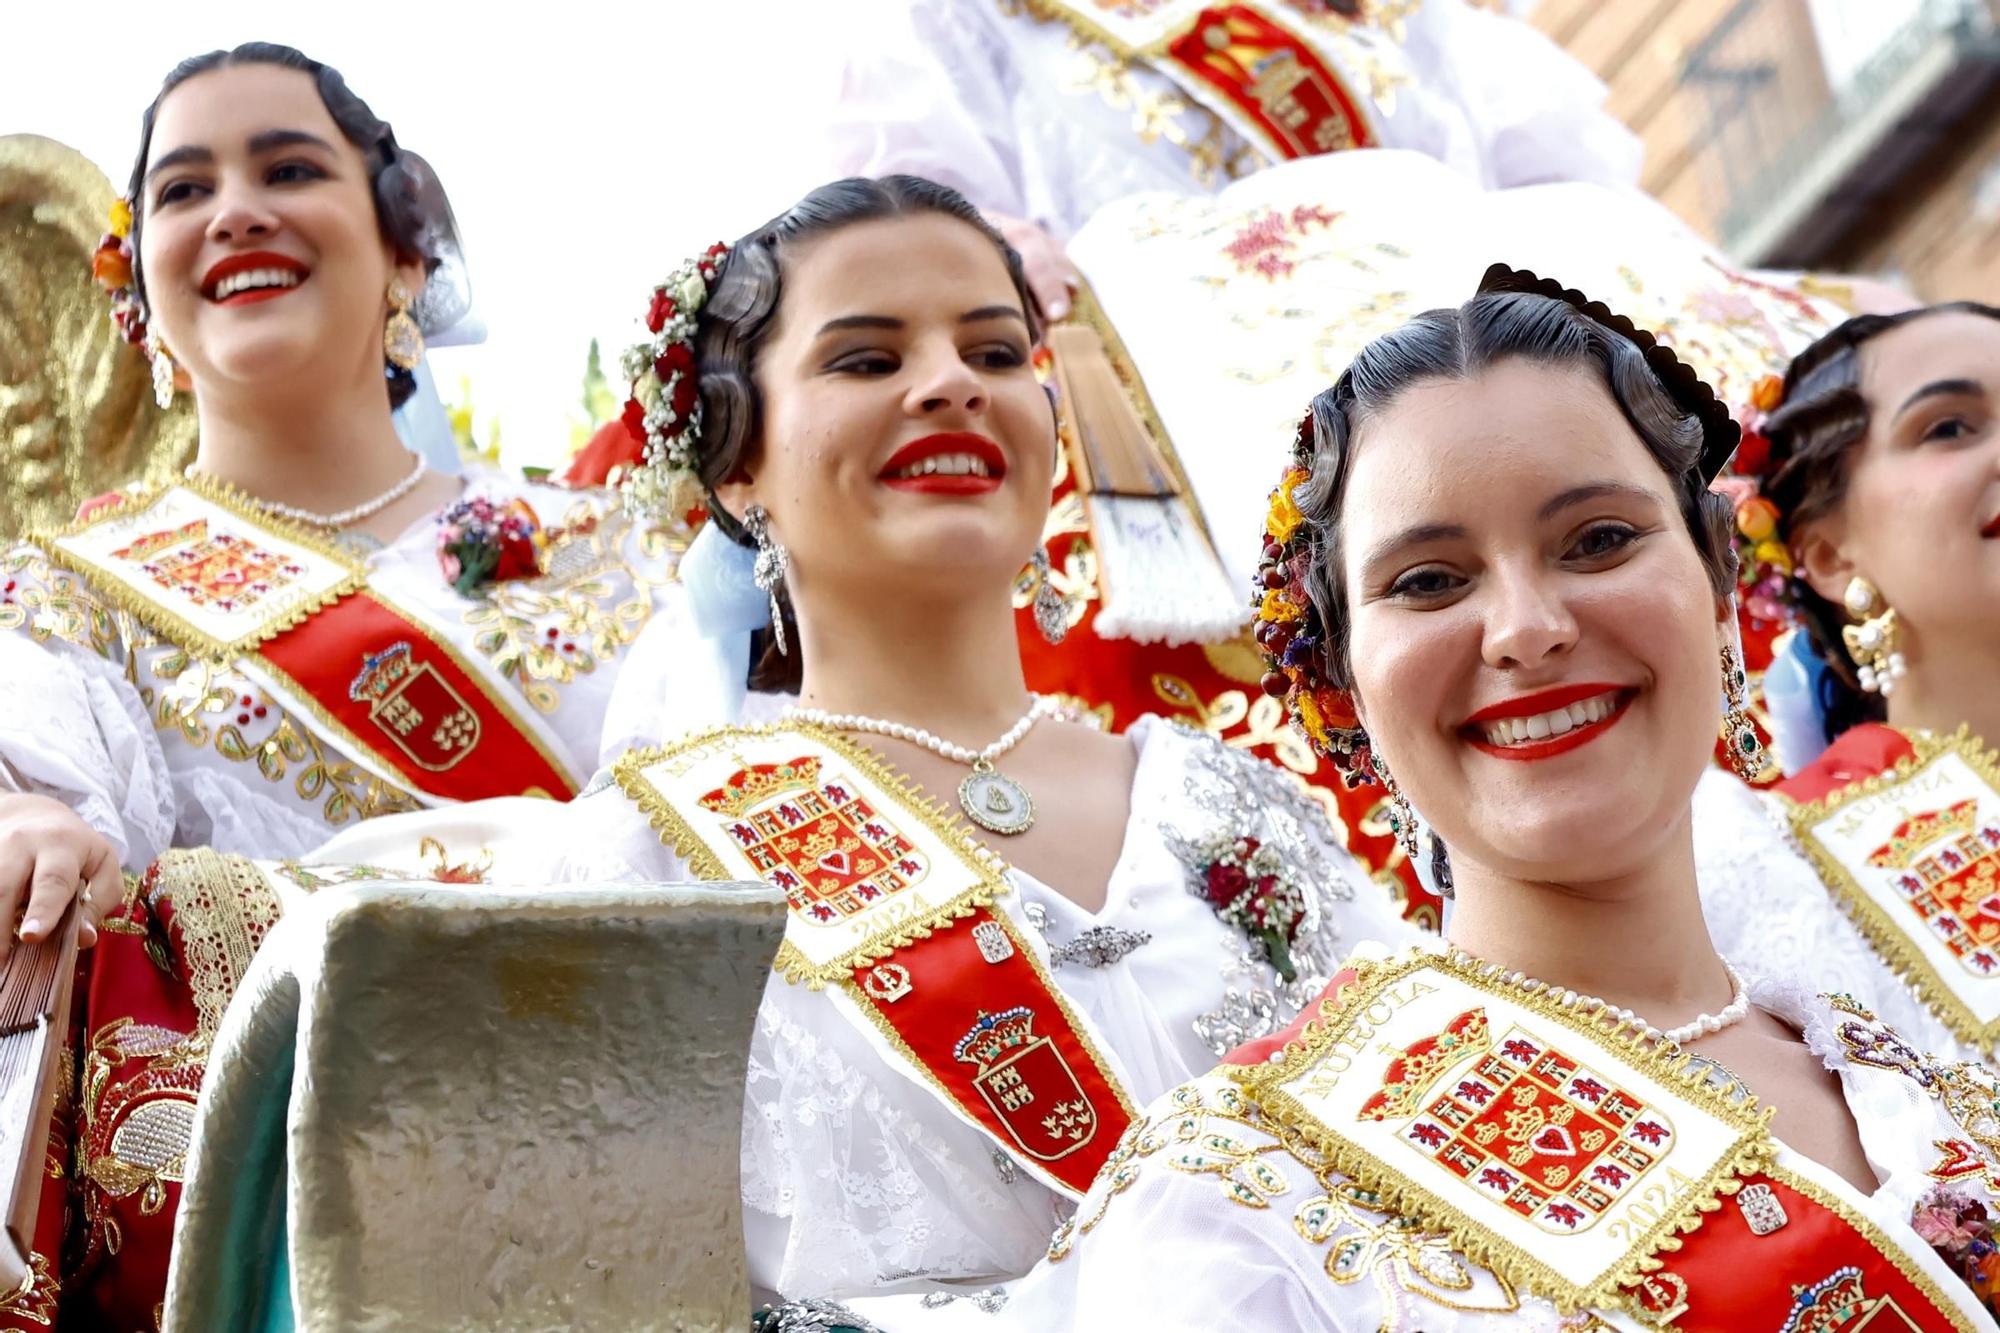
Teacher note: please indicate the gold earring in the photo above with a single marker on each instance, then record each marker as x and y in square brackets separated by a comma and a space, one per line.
[1746, 750]
[1872, 642]
[1402, 818]
[402, 340]
[163, 371]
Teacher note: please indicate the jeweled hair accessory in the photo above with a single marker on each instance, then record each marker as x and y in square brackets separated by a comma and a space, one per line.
[1764, 566]
[111, 265]
[665, 407]
[1286, 623]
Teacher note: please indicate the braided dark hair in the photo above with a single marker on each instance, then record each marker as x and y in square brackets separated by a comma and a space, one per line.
[741, 315]
[1815, 433]
[410, 206]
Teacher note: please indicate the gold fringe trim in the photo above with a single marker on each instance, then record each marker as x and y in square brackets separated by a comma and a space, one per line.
[1751, 1153]
[171, 626]
[1889, 939]
[1868, 1228]
[223, 908]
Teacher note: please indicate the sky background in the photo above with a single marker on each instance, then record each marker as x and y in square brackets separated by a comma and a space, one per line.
[588, 147]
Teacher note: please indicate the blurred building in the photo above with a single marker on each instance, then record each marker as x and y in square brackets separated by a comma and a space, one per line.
[1861, 135]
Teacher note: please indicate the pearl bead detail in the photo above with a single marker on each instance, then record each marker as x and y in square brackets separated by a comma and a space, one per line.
[1703, 1025]
[340, 519]
[1041, 707]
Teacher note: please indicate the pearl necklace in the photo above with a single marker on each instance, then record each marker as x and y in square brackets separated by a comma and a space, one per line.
[366, 509]
[989, 798]
[1702, 1026]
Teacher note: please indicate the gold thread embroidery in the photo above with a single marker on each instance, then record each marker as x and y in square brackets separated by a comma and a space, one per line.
[1894, 1253]
[223, 907]
[1667, 1066]
[36, 1298]
[55, 603]
[580, 596]
[1883, 932]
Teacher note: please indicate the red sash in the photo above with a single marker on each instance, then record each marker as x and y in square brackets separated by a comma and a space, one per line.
[1274, 79]
[1856, 754]
[1824, 1269]
[893, 909]
[201, 568]
[392, 691]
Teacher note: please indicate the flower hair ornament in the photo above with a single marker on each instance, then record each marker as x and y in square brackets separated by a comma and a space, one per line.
[111, 265]
[664, 410]
[1286, 623]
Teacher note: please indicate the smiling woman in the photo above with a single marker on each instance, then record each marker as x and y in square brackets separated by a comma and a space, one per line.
[310, 629]
[1506, 516]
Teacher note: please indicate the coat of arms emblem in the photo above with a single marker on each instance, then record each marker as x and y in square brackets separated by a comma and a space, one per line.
[416, 708]
[1028, 1084]
[811, 834]
[1946, 865]
[1520, 1122]
[223, 572]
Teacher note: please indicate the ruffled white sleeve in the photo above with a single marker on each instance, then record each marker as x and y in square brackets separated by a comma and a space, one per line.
[925, 89]
[1536, 111]
[72, 725]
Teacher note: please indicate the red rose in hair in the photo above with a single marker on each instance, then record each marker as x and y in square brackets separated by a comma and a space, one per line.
[634, 418]
[1752, 455]
[660, 311]
[684, 398]
[677, 359]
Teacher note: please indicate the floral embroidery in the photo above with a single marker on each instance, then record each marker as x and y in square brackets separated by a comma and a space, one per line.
[1969, 1092]
[53, 603]
[544, 632]
[1214, 1130]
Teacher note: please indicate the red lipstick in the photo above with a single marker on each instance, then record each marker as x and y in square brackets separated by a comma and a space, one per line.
[250, 260]
[948, 444]
[1546, 701]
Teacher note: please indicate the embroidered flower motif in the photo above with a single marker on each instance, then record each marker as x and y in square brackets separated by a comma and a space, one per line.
[481, 542]
[1248, 886]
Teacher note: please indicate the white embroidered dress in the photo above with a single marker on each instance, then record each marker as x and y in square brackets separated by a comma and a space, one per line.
[158, 747]
[1160, 1243]
[1026, 118]
[1771, 914]
[856, 1179]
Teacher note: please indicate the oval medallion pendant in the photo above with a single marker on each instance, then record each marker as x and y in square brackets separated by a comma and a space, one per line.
[995, 802]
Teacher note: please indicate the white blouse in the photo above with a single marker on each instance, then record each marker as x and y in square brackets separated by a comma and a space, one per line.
[1024, 118]
[1171, 1250]
[857, 1180]
[155, 747]
[1769, 912]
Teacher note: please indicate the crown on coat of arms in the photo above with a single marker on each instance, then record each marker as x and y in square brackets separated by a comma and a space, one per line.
[1422, 1063]
[1920, 831]
[166, 539]
[752, 784]
[1827, 1305]
[381, 673]
[994, 1035]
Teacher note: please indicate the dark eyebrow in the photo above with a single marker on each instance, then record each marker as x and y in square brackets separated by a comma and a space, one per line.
[1417, 536]
[1595, 490]
[270, 139]
[179, 157]
[1938, 389]
[259, 143]
[992, 312]
[858, 322]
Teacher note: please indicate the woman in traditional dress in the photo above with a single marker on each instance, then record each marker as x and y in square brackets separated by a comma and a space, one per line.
[996, 950]
[312, 627]
[1873, 483]
[1505, 591]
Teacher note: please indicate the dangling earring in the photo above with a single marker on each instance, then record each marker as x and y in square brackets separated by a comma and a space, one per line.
[1441, 867]
[1746, 752]
[1872, 643]
[163, 371]
[1402, 819]
[769, 571]
[1051, 607]
[402, 340]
